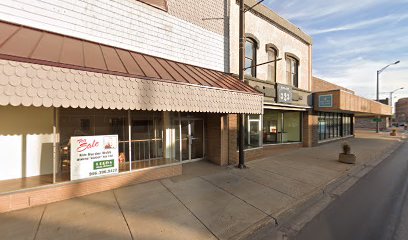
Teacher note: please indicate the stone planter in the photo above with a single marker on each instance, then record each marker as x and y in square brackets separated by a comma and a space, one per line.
[347, 158]
[393, 133]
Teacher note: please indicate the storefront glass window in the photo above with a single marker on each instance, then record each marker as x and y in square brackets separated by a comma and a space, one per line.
[281, 127]
[146, 139]
[291, 127]
[272, 127]
[144, 147]
[334, 125]
[26, 147]
[87, 122]
[253, 131]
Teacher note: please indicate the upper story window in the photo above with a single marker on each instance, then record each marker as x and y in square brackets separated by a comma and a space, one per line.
[272, 55]
[292, 69]
[250, 57]
[160, 4]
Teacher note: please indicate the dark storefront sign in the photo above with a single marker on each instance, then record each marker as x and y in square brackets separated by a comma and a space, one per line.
[326, 100]
[284, 93]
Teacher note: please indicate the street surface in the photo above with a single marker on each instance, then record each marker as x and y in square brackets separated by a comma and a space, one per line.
[375, 208]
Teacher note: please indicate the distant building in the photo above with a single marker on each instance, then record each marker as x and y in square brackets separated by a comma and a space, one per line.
[401, 110]
[339, 111]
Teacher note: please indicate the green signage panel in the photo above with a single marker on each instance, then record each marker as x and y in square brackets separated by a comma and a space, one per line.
[103, 164]
[326, 100]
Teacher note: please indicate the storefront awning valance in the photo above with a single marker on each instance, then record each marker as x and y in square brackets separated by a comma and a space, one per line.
[45, 69]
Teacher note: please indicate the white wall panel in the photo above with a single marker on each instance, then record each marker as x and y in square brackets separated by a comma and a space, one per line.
[122, 23]
[11, 157]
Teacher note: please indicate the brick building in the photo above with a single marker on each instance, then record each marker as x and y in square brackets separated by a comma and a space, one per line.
[401, 110]
[144, 84]
[152, 83]
[285, 83]
[338, 111]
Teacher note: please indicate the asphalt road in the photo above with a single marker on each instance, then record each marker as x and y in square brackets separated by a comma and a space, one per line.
[376, 207]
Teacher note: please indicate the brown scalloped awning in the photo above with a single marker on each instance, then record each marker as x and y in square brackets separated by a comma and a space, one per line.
[26, 44]
[40, 68]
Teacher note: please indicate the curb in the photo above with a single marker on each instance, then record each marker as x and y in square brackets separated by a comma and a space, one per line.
[305, 214]
[293, 219]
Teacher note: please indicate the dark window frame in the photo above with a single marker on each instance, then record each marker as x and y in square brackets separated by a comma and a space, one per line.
[275, 51]
[292, 77]
[252, 58]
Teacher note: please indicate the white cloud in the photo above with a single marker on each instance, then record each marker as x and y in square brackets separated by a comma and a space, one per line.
[361, 24]
[315, 9]
[352, 40]
[361, 77]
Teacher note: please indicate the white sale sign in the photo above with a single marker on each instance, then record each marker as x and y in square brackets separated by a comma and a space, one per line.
[94, 156]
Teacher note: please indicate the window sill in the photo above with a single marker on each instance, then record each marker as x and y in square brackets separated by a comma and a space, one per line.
[334, 139]
[286, 143]
[250, 149]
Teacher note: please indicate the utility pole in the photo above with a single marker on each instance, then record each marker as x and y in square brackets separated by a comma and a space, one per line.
[241, 118]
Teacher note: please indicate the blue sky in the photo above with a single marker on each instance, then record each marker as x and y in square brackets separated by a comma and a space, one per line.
[353, 39]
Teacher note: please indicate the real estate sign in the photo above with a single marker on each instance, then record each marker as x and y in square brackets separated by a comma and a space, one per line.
[94, 156]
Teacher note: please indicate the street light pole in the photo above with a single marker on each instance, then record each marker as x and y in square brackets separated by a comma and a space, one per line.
[392, 92]
[378, 90]
[241, 117]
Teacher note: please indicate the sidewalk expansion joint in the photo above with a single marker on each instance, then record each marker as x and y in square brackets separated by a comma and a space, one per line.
[266, 170]
[123, 215]
[39, 222]
[188, 209]
[230, 193]
[269, 216]
[251, 180]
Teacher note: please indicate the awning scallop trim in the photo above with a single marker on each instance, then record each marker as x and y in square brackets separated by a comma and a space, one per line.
[30, 84]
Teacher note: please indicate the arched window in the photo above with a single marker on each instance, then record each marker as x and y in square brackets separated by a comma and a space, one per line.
[250, 57]
[292, 69]
[272, 55]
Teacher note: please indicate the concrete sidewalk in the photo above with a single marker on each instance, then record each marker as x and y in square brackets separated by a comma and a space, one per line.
[206, 202]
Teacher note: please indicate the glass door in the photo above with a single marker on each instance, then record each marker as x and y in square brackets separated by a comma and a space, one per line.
[197, 139]
[185, 140]
[192, 139]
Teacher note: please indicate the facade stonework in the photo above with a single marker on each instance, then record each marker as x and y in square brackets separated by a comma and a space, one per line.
[267, 33]
[286, 85]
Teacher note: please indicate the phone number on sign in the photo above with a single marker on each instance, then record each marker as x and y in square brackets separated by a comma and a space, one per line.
[101, 172]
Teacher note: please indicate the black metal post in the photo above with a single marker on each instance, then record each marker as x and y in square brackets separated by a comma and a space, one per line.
[378, 98]
[241, 118]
